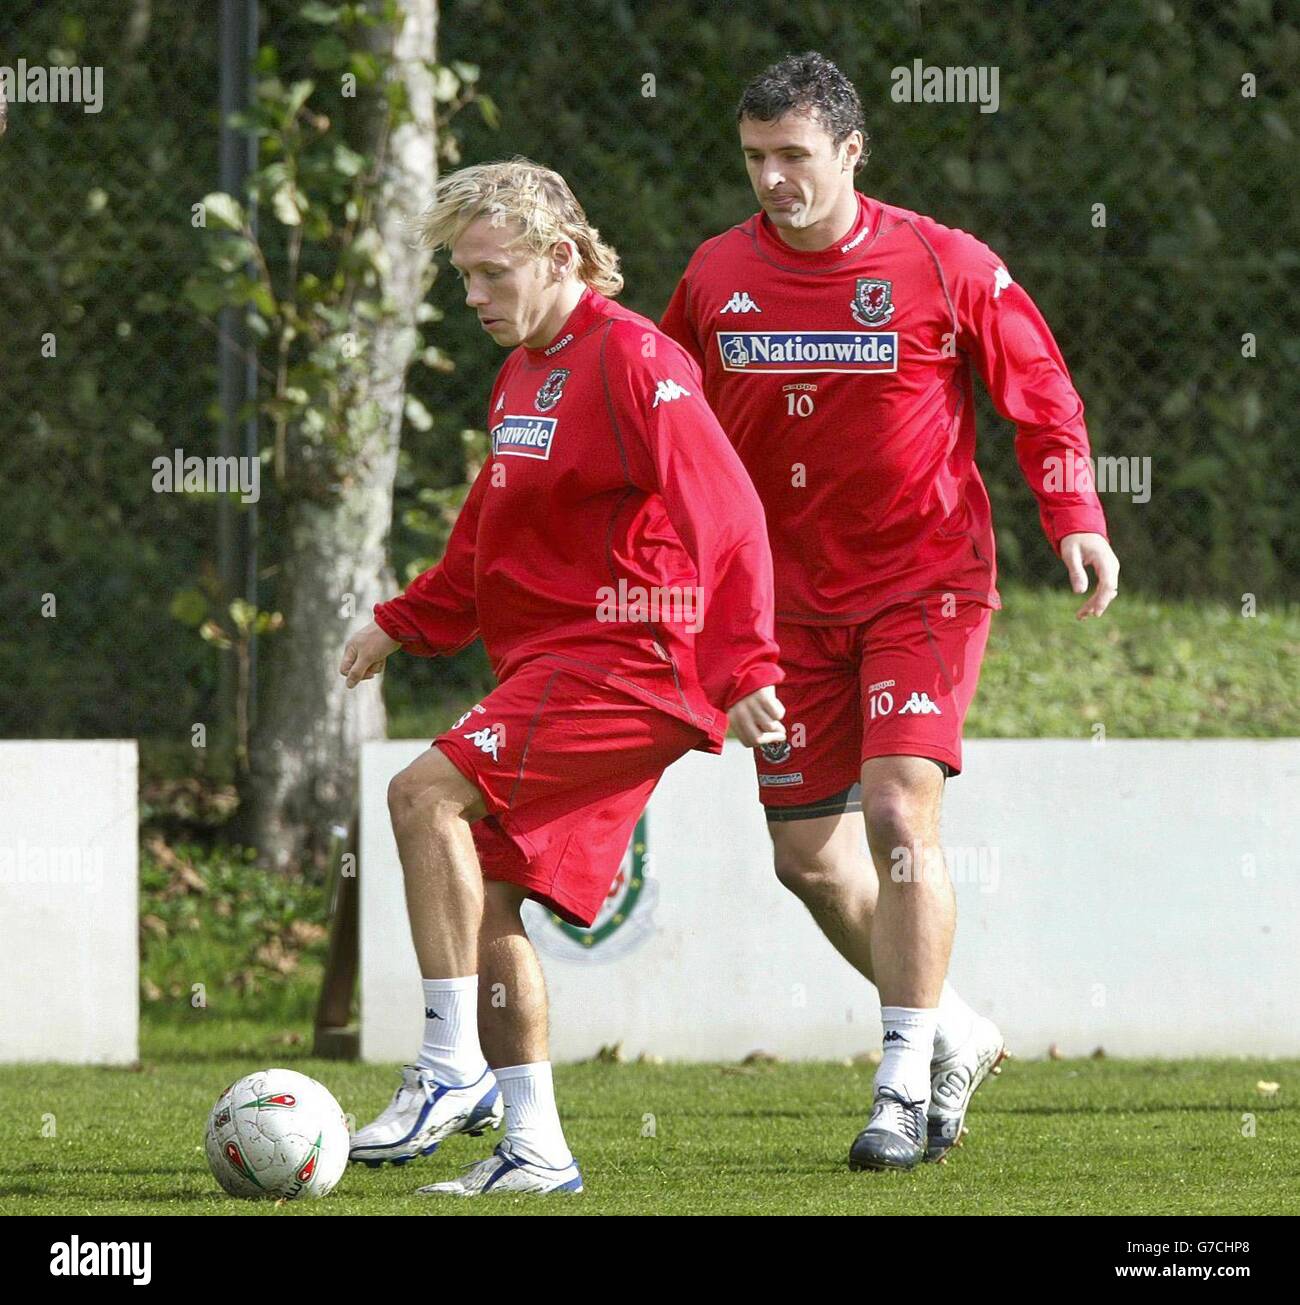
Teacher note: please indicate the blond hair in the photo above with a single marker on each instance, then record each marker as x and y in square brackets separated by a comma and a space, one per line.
[534, 197]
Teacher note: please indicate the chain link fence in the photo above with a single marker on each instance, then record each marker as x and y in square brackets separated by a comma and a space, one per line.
[1137, 176]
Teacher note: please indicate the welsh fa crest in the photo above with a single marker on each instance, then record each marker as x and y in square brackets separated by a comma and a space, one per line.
[624, 922]
[552, 388]
[777, 753]
[872, 301]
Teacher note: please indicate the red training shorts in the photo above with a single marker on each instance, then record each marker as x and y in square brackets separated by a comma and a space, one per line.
[565, 767]
[897, 685]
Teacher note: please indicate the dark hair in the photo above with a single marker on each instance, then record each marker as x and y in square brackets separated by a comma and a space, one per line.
[811, 83]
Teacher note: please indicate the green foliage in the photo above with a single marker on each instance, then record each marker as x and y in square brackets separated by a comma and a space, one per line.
[1147, 669]
[302, 288]
[1138, 107]
[254, 939]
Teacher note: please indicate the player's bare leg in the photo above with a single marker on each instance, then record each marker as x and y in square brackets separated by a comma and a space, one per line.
[822, 862]
[533, 1157]
[916, 914]
[911, 940]
[512, 1012]
[449, 1089]
[926, 1077]
[432, 804]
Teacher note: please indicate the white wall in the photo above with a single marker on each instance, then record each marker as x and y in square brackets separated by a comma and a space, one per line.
[69, 963]
[1139, 895]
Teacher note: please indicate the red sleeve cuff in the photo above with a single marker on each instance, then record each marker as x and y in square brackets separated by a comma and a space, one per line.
[763, 676]
[1075, 521]
[386, 620]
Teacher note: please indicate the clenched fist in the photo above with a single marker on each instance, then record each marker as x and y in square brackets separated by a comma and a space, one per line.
[757, 718]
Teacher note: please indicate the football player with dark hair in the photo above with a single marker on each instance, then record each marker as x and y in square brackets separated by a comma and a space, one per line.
[839, 337]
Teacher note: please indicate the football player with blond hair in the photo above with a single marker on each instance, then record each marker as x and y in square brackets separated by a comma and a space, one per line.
[607, 473]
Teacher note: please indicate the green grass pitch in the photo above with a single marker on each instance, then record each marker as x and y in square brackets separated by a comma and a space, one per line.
[1047, 1137]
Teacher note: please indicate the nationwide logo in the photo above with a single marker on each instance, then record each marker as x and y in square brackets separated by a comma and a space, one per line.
[780, 781]
[667, 391]
[524, 437]
[808, 351]
[552, 388]
[740, 302]
[872, 301]
[919, 704]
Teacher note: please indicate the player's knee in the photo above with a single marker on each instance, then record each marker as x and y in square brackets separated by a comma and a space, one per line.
[412, 796]
[895, 818]
[808, 875]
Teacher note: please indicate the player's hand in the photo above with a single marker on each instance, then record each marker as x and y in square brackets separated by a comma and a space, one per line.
[757, 718]
[1088, 550]
[364, 654]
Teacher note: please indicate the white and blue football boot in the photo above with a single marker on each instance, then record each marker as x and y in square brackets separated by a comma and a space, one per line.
[953, 1082]
[504, 1173]
[422, 1113]
[894, 1137]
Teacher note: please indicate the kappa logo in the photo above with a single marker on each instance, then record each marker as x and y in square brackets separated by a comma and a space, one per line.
[740, 302]
[486, 740]
[872, 302]
[919, 704]
[1001, 279]
[552, 389]
[501, 403]
[667, 391]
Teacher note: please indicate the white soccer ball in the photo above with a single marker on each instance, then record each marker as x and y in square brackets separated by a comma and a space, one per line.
[278, 1134]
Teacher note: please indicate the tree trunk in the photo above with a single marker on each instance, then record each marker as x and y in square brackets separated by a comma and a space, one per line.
[334, 564]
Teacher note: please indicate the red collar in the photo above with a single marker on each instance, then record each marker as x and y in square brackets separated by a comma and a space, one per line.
[586, 313]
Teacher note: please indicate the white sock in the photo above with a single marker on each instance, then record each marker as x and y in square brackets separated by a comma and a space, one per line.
[956, 1023]
[907, 1048]
[532, 1122]
[451, 1050]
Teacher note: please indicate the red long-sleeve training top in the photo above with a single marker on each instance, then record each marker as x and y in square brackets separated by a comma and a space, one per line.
[843, 378]
[613, 527]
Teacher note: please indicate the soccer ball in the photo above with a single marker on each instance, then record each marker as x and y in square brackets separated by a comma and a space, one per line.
[277, 1133]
